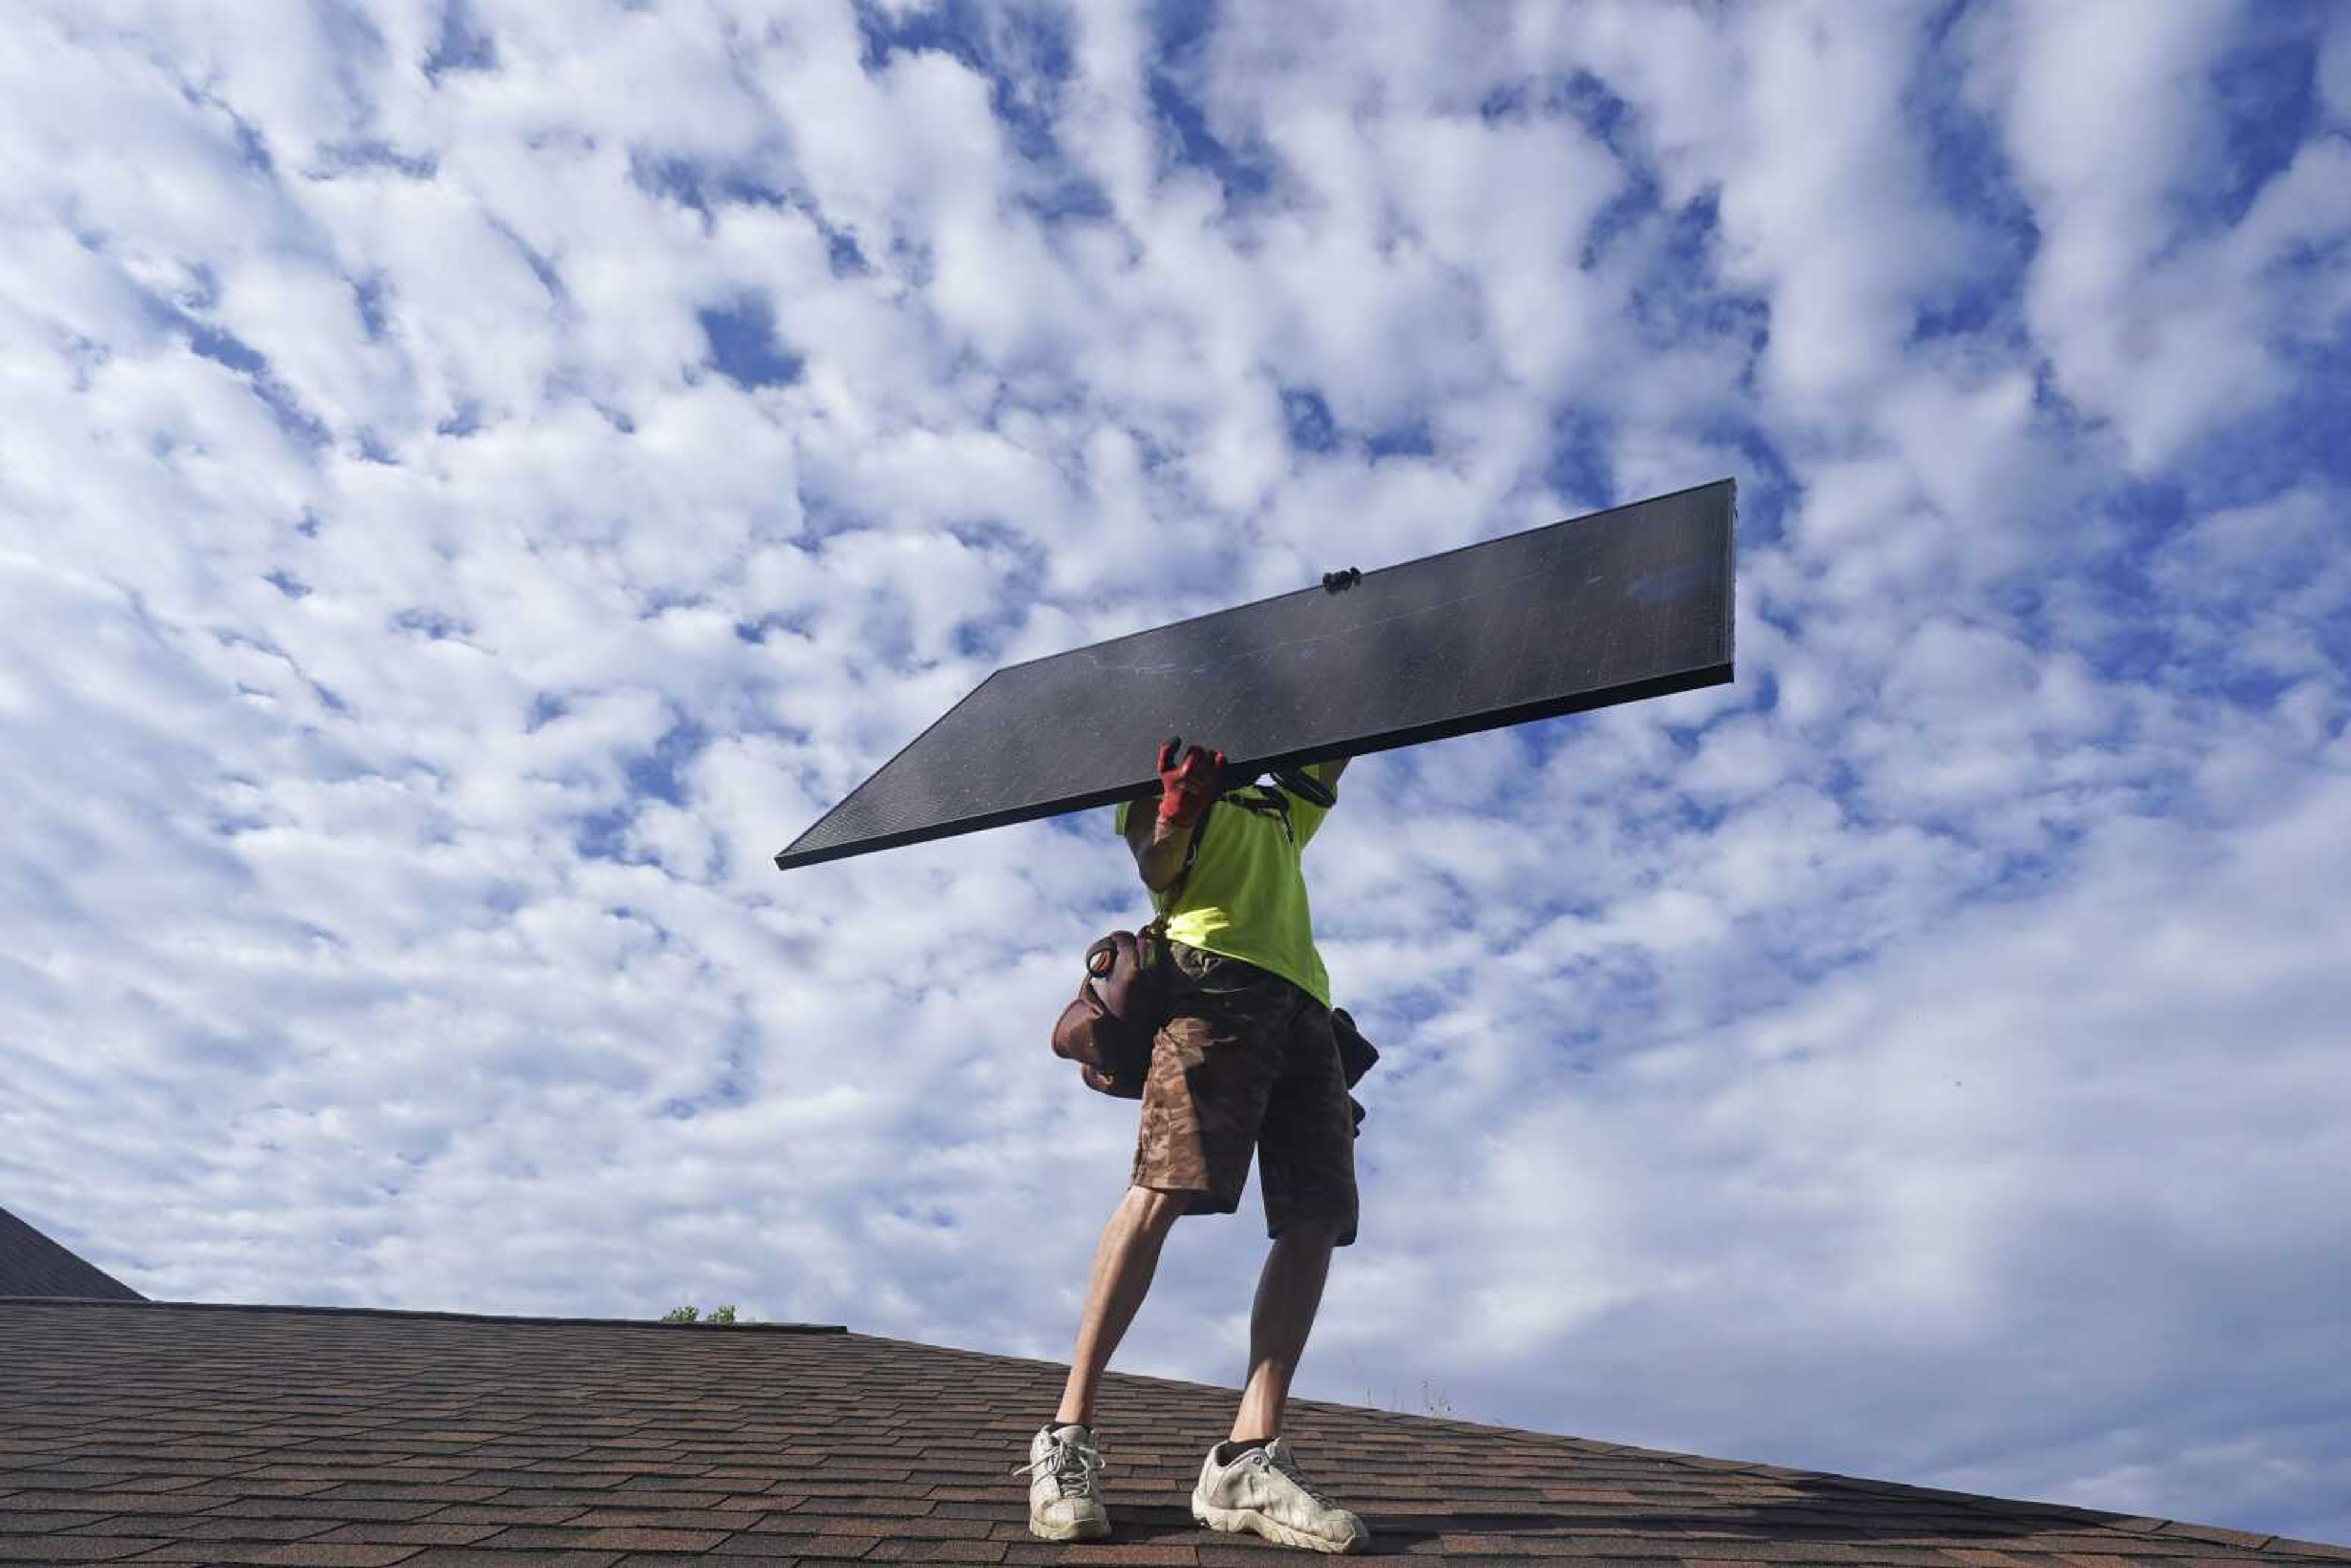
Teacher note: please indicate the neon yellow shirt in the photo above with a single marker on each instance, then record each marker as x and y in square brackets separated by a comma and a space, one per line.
[1246, 897]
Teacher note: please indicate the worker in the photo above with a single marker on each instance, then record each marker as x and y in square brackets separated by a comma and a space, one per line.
[1246, 1060]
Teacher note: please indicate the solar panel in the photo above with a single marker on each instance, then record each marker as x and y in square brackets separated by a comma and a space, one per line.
[1628, 603]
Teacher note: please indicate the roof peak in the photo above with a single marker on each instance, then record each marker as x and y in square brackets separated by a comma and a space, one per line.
[35, 1263]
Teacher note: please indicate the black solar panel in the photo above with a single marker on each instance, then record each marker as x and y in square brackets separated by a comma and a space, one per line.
[1628, 603]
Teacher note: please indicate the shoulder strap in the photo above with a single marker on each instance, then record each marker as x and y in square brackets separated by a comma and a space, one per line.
[1191, 852]
[1268, 802]
[1176, 889]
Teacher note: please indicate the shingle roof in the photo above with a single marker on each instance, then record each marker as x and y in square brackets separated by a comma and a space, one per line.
[31, 1264]
[173, 1432]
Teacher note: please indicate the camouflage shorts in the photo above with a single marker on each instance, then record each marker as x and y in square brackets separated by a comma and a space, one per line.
[1247, 1061]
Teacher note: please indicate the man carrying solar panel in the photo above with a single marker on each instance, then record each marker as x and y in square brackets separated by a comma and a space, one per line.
[1245, 1060]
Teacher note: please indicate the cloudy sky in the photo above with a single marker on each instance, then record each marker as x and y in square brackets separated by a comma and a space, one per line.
[479, 477]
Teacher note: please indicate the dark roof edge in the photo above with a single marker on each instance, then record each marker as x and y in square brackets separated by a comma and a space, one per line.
[415, 1313]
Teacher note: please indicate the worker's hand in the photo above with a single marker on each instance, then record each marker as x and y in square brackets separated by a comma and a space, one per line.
[1186, 789]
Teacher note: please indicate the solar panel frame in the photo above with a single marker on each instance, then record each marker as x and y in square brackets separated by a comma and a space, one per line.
[1705, 672]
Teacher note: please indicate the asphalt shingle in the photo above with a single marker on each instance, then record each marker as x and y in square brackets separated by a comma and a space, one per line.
[135, 1431]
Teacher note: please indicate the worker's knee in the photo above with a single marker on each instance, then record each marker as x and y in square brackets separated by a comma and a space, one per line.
[1322, 1234]
[1155, 1210]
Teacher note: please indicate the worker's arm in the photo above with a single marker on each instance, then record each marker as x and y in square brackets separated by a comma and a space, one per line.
[1329, 771]
[1158, 845]
[1159, 838]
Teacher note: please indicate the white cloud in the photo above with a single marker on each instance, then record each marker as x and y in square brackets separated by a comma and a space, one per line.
[2153, 313]
[2334, 73]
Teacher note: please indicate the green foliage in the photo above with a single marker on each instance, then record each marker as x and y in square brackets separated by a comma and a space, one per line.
[725, 1314]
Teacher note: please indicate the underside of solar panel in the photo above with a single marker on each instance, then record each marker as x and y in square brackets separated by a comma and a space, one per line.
[1628, 603]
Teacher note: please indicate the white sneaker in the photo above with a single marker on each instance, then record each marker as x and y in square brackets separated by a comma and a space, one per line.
[1065, 1498]
[1262, 1490]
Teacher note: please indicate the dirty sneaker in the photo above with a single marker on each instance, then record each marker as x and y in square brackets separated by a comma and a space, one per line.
[1260, 1490]
[1064, 1497]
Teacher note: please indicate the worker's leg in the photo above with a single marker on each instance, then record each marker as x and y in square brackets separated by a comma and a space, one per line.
[1212, 1065]
[1251, 1481]
[1306, 1160]
[1288, 1291]
[1124, 1260]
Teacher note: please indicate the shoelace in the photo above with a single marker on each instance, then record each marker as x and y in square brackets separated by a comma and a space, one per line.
[1289, 1467]
[1074, 1463]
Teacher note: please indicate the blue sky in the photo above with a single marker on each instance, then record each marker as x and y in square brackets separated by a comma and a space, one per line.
[480, 479]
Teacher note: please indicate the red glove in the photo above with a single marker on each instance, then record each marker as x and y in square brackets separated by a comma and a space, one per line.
[1185, 791]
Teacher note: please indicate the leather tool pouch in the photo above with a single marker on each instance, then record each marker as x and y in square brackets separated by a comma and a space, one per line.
[1123, 1001]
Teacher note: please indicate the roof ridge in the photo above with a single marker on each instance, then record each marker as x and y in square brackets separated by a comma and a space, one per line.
[420, 1312]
